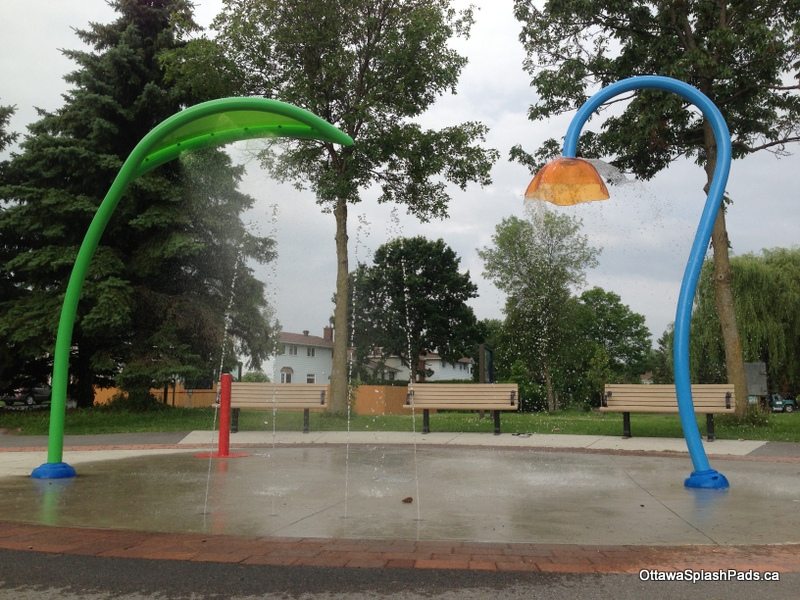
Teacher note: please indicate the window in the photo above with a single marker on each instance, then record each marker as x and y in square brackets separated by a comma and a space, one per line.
[311, 378]
[310, 352]
[292, 350]
[286, 375]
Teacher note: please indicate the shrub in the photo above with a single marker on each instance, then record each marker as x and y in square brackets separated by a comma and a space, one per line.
[255, 377]
[135, 401]
[754, 417]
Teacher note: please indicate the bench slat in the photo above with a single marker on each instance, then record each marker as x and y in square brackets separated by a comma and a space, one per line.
[655, 397]
[282, 405]
[666, 389]
[457, 406]
[638, 408]
[666, 402]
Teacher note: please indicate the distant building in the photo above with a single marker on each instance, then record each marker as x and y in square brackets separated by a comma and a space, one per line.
[461, 370]
[383, 370]
[304, 358]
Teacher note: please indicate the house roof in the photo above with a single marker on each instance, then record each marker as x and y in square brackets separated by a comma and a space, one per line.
[302, 339]
[435, 356]
[432, 356]
[374, 365]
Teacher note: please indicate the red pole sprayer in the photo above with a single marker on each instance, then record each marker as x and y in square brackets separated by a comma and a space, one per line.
[224, 446]
[224, 439]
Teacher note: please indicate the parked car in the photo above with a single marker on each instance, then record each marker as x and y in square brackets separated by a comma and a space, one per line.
[28, 396]
[780, 404]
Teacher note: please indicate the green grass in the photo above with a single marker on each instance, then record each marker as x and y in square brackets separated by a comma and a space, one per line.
[780, 427]
[88, 421]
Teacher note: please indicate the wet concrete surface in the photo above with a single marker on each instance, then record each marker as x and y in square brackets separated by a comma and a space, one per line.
[472, 494]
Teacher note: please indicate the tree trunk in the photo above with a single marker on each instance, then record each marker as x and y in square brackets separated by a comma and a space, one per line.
[723, 292]
[84, 388]
[548, 386]
[339, 388]
[420, 372]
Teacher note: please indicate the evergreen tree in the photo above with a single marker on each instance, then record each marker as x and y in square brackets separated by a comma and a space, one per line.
[9, 362]
[6, 136]
[661, 357]
[153, 302]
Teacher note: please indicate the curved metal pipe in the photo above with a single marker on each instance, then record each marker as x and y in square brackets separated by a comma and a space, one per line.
[703, 476]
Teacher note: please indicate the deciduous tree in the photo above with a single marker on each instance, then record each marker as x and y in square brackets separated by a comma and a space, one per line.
[536, 261]
[767, 291]
[744, 56]
[620, 332]
[369, 67]
[413, 300]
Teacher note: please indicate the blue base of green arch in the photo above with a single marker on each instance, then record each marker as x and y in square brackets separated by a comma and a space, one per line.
[60, 470]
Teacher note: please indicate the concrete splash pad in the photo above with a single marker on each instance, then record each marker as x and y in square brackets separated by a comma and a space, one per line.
[469, 493]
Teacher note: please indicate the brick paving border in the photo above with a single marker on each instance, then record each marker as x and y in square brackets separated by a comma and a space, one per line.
[369, 553]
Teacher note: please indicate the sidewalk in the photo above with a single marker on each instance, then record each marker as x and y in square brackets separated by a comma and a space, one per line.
[546, 503]
[598, 443]
[196, 439]
[80, 449]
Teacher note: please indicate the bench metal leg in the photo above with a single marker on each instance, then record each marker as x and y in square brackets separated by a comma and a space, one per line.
[496, 417]
[710, 427]
[426, 421]
[626, 425]
[235, 419]
[305, 420]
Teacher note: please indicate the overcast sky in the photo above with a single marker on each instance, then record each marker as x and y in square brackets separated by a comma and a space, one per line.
[645, 231]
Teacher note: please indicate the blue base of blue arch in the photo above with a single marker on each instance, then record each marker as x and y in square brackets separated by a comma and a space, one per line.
[709, 479]
[59, 470]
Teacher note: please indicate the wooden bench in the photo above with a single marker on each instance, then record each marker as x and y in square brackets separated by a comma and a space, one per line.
[269, 396]
[463, 396]
[708, 399]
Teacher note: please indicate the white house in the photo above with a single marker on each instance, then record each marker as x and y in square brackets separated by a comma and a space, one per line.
[442, 371]
[304, 358]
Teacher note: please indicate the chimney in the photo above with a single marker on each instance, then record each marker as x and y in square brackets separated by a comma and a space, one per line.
[327, 334]
[305, 331]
